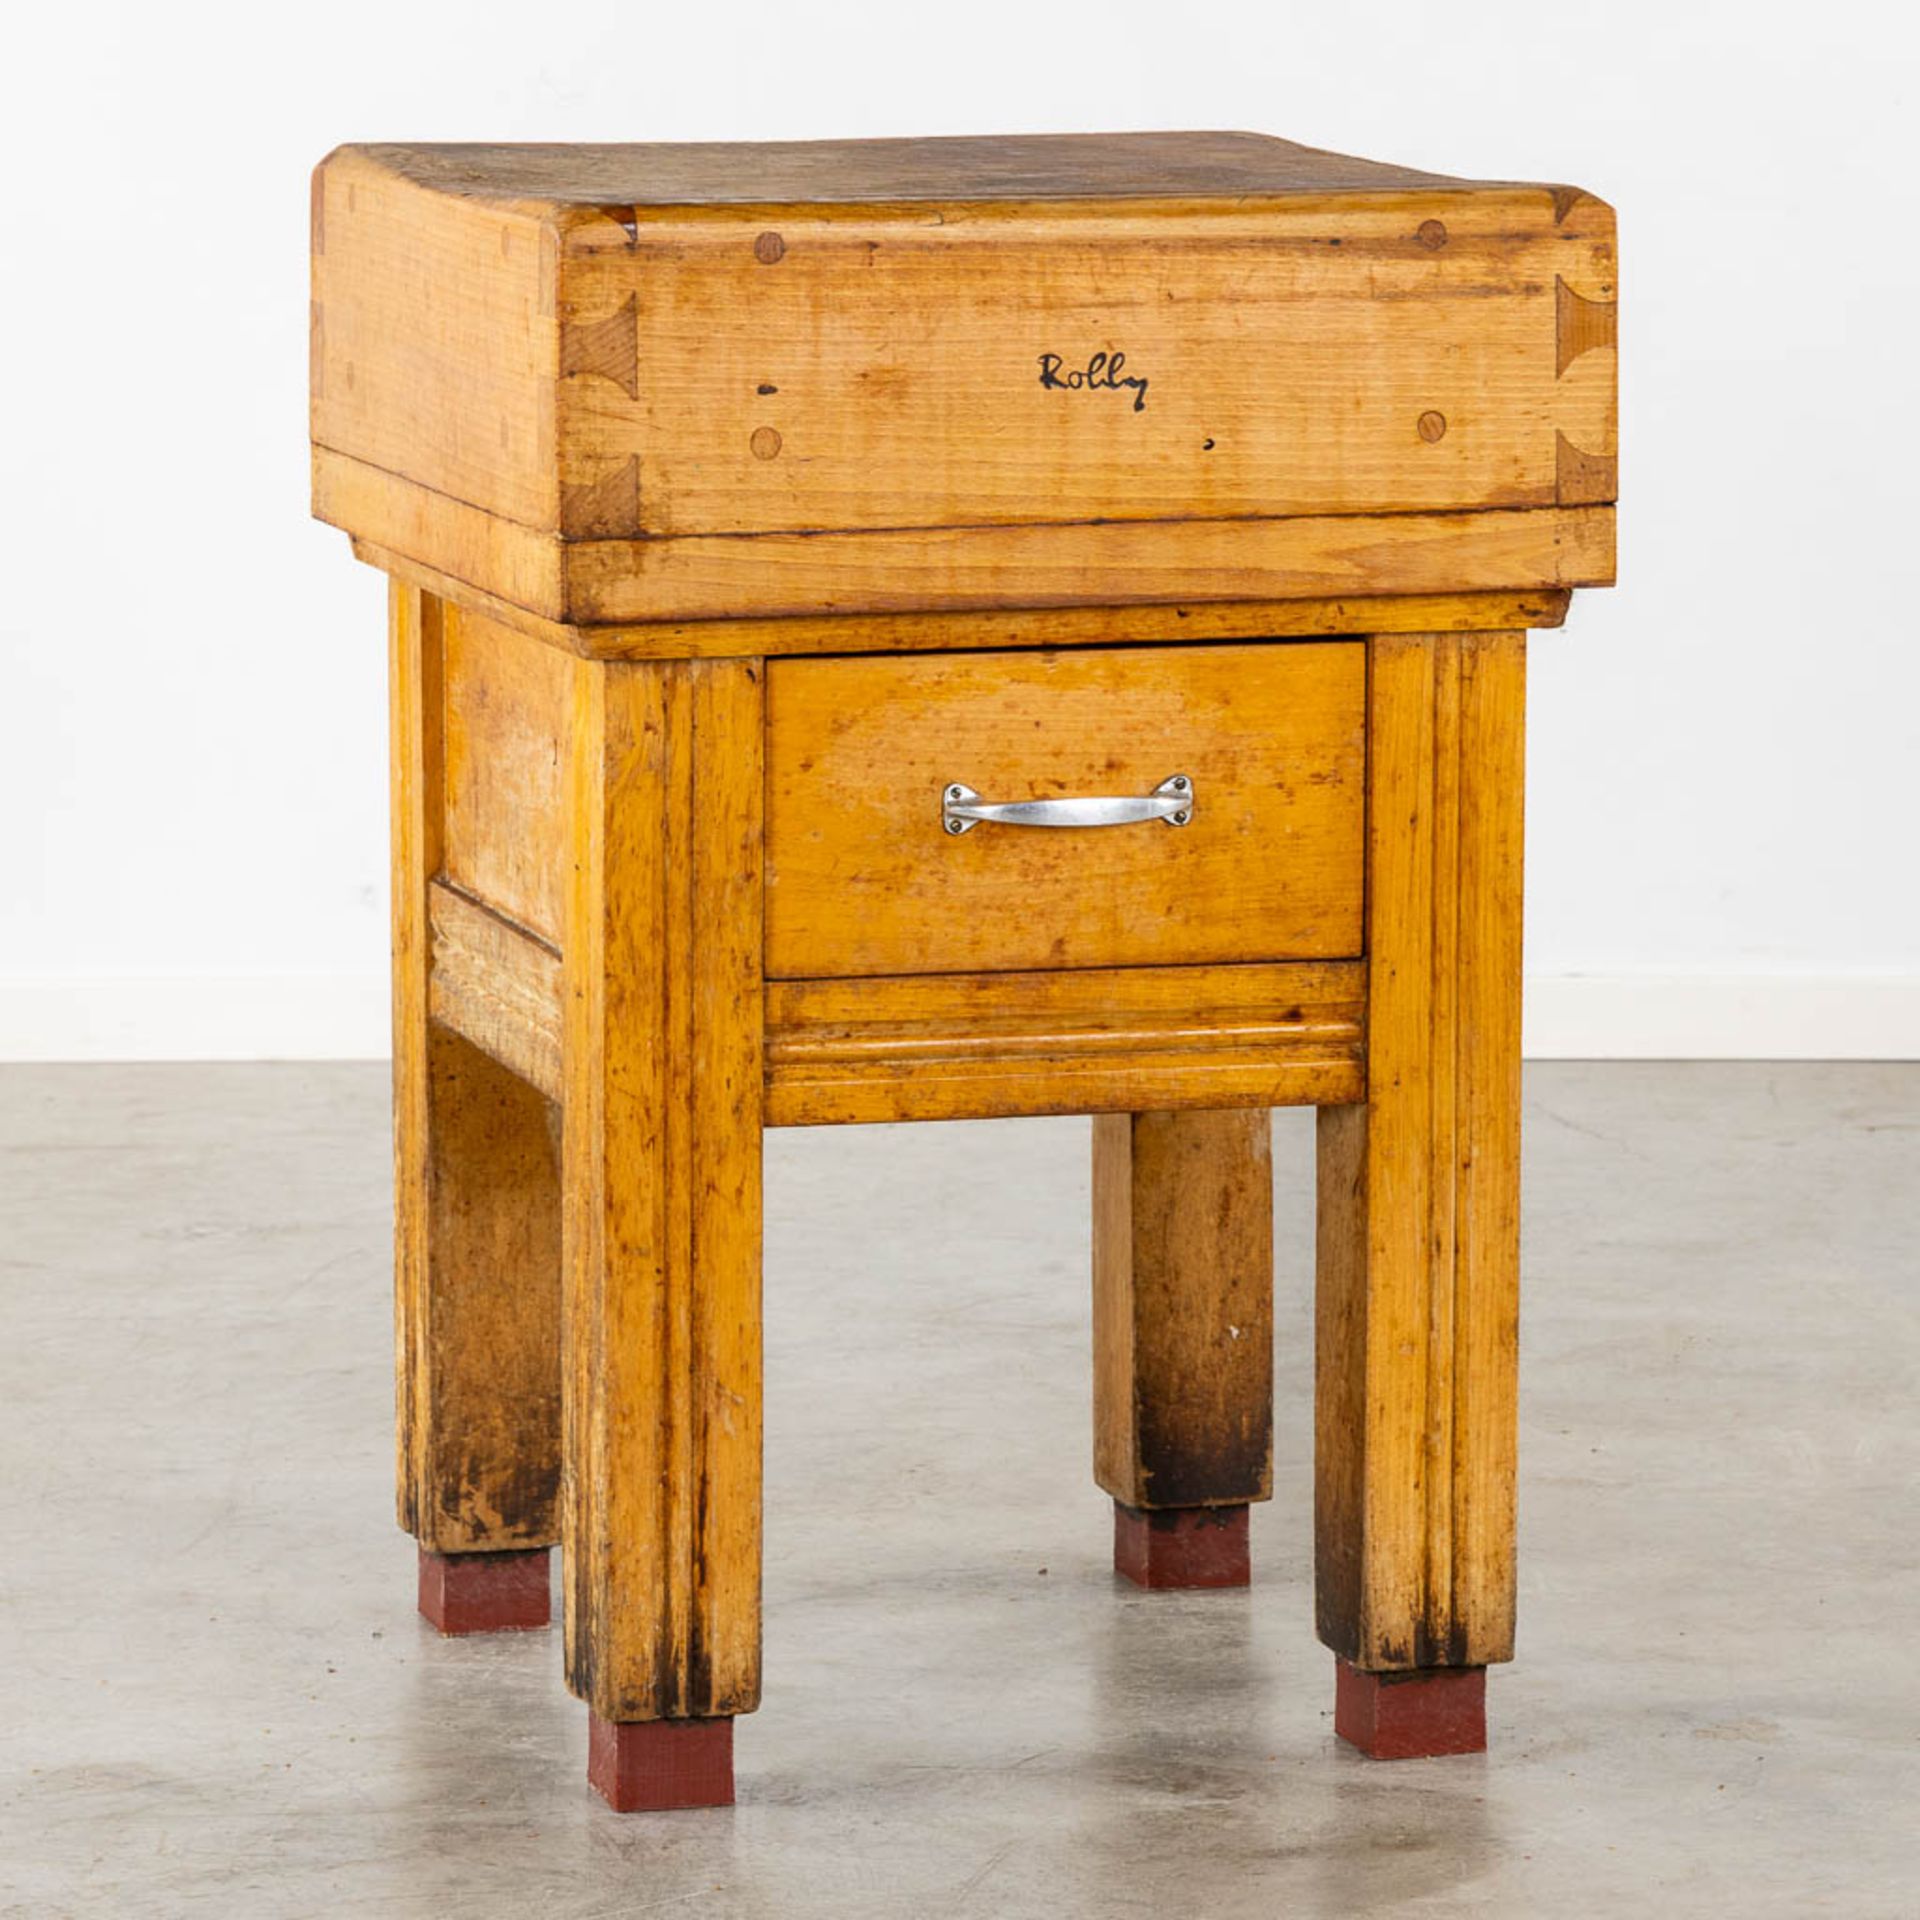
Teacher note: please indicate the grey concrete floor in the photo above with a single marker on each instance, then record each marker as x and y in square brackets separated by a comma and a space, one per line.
[215, 1697]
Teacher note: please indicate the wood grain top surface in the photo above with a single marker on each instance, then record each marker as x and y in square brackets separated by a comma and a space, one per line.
[988, 168]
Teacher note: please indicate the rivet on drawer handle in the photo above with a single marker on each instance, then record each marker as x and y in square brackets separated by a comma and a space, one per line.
[961, 809]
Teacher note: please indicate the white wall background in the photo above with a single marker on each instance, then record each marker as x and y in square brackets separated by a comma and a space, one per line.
[1725, 800]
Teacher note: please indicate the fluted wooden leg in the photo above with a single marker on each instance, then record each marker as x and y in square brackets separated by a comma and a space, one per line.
[662, 1062]
[1419, 1214]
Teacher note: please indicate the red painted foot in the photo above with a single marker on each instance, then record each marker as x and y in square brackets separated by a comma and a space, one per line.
[1411, 1716]
[485, 1592]
[651, 1766]
[1181, 1546]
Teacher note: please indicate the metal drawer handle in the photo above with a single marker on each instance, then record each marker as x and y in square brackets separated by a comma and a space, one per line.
[961, 809]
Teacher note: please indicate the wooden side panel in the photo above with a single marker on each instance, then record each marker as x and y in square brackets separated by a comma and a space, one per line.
[1183, 1308]
[1419, 1188]
[662, 1142]
[1081, 1041]
[477, 1205]
[1386, 353]
[864, 880]
[505, 838]
[434, 339]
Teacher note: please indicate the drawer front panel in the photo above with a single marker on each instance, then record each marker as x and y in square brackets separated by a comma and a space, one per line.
[864, 878]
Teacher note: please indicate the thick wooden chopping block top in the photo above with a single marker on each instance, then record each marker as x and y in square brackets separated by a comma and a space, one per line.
[652, 383]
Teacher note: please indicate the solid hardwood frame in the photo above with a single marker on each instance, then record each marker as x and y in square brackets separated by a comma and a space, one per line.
[652, 1027]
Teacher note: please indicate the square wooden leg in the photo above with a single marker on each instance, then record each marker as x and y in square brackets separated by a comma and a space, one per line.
[662, 1062]
[1417, 1332]
[477, 1216]
[1183, 1338]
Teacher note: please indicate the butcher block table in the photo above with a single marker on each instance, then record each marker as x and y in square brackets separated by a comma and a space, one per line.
[915, 630]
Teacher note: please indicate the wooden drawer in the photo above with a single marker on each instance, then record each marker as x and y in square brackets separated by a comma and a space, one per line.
[863, 878]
